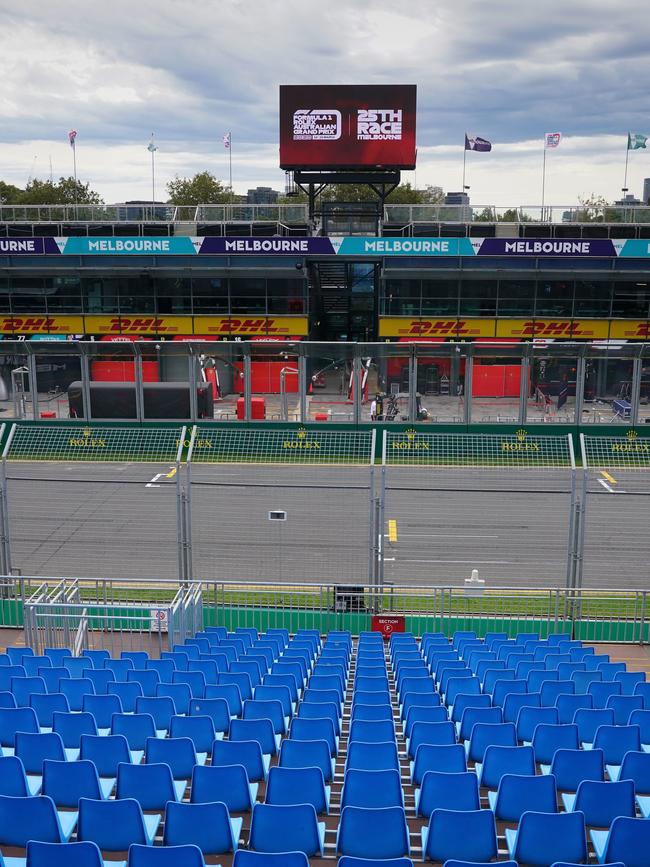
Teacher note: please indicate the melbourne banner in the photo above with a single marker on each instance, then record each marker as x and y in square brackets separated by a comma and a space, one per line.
[322, 246]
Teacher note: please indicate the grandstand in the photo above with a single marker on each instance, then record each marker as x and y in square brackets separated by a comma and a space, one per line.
[236, 746]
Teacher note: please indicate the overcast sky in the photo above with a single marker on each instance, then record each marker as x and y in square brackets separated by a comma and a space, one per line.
[507, 70]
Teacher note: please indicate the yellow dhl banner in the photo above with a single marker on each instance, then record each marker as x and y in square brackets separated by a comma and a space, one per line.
[200, 325]
[435, 326]
[629, 329]
[27, 324]
[567, 329]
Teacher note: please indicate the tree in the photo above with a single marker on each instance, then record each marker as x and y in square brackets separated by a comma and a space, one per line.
[9, 195]
[62, 193]
[591, 210]
[203, 189]
[404, 194]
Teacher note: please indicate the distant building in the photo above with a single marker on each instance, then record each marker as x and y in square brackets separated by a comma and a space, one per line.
[262, 196]
[646, 191]
[628, 201]
[456, 199]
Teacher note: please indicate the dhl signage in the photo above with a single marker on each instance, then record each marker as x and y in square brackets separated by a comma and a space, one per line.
[567, 329]
[246, 326]
[41, 325]
[136, 324]
[629, 329]
[454, 329]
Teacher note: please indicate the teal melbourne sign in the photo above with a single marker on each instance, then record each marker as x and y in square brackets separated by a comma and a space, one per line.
[127, 246]
[405, 247]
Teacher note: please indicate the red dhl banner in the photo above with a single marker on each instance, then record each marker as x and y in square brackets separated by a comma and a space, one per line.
[243, 326]
[454, 329]
[41, 325]
[629, 329]
[136, 324]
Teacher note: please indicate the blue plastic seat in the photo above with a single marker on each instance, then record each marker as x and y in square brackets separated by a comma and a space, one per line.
[551, 690]
[370, 731]
[57, 654]
[178, 692]
[473, 715]
[84, 854]
[601, 692]
[418, 713]
[226, 783]
[75, 689]
[160, 708]
[499, 761]
[567, 705]
[623, 706]
[151, 785]
[97, 657]
[255, 709]
[7, 699]
[286, 828]
[379, 832]
[128, 692]
[328, 710]
[544, 838]
[615, 741]
[430, 733]
[77, 665]
[246, 753]
[628, 840]
[8, 672]
[519, 794]
[178, 753]
[303, 754]
[636, 767]
[358, 697]
[372, 789]
[504, 688]
[571, 767]
[602, 802]
[148, 680]
[372, 757]
[100, 679]
[119, 667]
[199, 729]
[629, 681]
[32, 749]
[409, 700]
[115, 824]
[431, 757]
[485, 734]
[265, 693]
[67, 782]
[16, 719]
[260, 730]
[139, 658]
[71, 726]
[194, 679]
[547, 739]
[514, 702]
[23, 688]
[164, 856]
[102, 707]
[460, 834]
[136, 728]
[230, 693]
[440, 790]
[106, 752]
[164, 667]
[530, 717]
[14, 780]
[33, 818]
[46, 705]
[297, 786]
[240, 679]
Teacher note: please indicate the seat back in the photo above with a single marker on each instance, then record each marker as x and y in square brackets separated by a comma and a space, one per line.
[227, 783]
[113, 825]
[285, 828]
[372, 789]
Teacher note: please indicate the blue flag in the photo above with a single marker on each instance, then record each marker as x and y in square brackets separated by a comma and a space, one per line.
[476, 143]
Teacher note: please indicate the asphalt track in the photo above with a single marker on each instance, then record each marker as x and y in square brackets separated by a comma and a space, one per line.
[120, 521]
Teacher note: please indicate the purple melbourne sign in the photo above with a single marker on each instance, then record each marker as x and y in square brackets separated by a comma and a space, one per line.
[28, 247]
[545, 247]
[275, 246]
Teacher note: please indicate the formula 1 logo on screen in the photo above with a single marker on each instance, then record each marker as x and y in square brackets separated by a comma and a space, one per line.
[379, 124]
[316, 124]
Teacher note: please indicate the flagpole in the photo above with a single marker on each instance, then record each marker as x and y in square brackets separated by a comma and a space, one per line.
[543, 178]
[230, 165]
[74, 169]
[153, 180]
[627, 156]
[464, 159]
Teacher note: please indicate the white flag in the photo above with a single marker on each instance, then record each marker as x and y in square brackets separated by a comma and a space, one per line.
[226, 141]
[552, 139]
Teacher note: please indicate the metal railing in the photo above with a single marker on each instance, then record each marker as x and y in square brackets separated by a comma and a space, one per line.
[165, 214]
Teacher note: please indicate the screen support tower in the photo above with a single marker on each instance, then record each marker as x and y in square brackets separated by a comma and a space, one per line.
[312, 183]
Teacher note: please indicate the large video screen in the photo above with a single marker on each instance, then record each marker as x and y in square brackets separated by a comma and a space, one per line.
[347, 126]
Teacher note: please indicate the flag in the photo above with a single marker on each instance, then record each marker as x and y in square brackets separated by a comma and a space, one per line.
[226, 141]
[552, 139]
[151, 147]
[636, 140]
[476, 143]
[72, 135]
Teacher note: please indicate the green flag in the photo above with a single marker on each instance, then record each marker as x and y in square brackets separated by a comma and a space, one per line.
[636, 140]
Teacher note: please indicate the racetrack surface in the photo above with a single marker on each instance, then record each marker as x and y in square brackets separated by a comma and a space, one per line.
[120, 521]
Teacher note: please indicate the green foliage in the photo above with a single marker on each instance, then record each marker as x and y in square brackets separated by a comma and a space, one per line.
[39, 192]
[203, 189]
[404, 194]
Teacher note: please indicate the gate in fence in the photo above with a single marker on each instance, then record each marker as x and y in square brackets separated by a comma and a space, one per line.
[504, 505]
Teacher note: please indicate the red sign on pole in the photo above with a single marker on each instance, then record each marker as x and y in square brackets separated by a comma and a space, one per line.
[387, 625]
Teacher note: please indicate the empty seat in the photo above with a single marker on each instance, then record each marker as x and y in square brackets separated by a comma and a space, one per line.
[431, 757]
[160, 708]
[430, 733]
[128, 692]
[178, 692]
[372, 731]
[151, 785]
[114, 825]
[136, 728]
[589, 720]
[23, 688]
[302, 754]
[178, 753]
[517, 794]
[602, 802]
[226, 783]
[46, 705]
[440, 790]
[623, 706]
[32, 749]
[372, 789]
[615, 741]
[460, 834]
[77, 665]
[165, 856]
[547, 739]
[636, 767]
[199, 729]
[541, 839]
[67, 782]
[14, 780]
[297, 786]
[102, 707]
[33, 818]
[530, 717]
[628, 840]
[230, 693]
[260, 730]
[246, 753]
[16, 719]
[71, 726]
[570, 767]
[85, 854]
[499, 760]
[485, 734]
[379, 832]
[292, 828]
[372, 757]
[106, 752]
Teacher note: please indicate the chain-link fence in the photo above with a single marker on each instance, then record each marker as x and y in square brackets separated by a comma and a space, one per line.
[503, 505]
[281, 506]
[616, 511]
